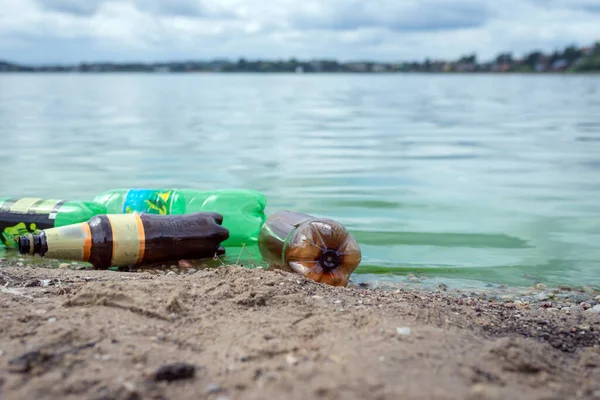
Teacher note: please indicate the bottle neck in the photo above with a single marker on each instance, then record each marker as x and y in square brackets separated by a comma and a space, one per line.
[33, 244]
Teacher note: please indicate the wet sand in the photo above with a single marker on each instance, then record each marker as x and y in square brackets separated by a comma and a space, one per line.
[237, 333]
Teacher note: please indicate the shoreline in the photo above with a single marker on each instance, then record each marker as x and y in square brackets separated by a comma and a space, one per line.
[258, 333]
[450, 73]
[534, 292]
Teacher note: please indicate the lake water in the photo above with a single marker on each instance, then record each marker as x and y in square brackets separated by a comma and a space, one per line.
[467, 179]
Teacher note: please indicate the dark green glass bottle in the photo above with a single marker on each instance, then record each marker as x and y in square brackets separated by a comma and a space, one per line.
[21, 216]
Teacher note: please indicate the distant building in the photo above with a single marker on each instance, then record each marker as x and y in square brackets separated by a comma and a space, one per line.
[465, 67]
[357, 67]
[504, 67]
[379, 68]
[560, 65]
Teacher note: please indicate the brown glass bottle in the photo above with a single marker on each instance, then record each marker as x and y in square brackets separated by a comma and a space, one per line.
[320, 249]
[131, 239]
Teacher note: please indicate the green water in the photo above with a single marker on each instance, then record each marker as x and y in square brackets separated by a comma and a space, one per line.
[467, 179]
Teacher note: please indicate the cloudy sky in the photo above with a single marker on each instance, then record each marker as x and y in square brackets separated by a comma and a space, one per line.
[66, 31]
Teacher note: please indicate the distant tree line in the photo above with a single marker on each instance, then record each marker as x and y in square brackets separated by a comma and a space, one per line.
[571, 59]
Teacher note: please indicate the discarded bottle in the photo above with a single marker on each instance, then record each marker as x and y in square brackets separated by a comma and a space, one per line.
[320, 249]
[242, 210]
[113, 240]
[19, 217]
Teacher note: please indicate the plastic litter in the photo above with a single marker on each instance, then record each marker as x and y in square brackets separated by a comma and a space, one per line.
[111, 240]
[243, 210]
[318, 248]
[26, 215]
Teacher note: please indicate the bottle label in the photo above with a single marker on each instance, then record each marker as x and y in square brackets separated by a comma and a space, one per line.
[148, 201]
[20, 217]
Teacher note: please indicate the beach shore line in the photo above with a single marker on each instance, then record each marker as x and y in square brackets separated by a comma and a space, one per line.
[234, 332]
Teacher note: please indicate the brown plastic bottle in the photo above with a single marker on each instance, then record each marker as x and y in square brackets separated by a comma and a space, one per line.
[320, 249]
[131, 239]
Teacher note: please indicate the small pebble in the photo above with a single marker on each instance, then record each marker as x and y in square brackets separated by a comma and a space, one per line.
[170, 273]
[542, 296]
[20, 264]
[593, 310]
[584, 305]
[479, 390]
[175, 371]
[381, 358]
[212, 388]
[192, 271]
[521, 304]
[53, 319]
[592, 302]
[584, 327]
[403, 331]
[63, 265]
[129, 386]
[545, 304]
[596, 307]
[291, 359]
[597, 298]
[470, 302]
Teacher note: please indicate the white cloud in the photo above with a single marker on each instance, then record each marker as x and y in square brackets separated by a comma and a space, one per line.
[75, 30]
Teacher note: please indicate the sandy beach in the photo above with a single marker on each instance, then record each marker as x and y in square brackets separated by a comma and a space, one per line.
[237, 333]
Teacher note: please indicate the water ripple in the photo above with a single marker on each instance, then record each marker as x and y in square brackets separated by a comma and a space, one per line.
[472, 177]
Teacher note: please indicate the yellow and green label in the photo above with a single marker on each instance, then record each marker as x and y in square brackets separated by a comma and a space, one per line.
[24, 216]
[148, 201]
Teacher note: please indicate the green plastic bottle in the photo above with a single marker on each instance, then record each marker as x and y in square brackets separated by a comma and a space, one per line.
[243, 210]
[23, 216]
